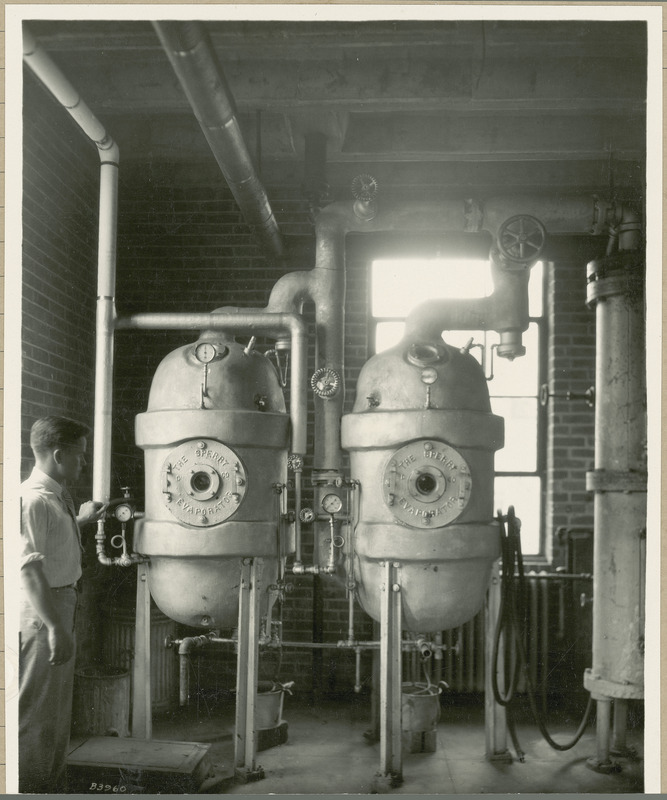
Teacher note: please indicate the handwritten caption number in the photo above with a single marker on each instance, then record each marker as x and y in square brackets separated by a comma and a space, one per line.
[106, 787]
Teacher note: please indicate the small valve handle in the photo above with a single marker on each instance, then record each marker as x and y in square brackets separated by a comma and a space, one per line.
[588, 395]
[306, 515]
[325, 382]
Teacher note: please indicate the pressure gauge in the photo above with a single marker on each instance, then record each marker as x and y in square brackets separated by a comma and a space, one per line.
[123, 512]
[205, 352]
[332, 503]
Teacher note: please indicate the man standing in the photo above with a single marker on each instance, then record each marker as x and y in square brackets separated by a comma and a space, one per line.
[50, 569]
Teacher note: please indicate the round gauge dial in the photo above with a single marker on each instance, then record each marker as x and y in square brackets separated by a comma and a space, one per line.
[332, 503]
[205, 352]
[123, 512]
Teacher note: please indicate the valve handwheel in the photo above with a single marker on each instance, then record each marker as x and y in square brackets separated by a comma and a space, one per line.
[325, 382]
[522, 238]
[364, 187]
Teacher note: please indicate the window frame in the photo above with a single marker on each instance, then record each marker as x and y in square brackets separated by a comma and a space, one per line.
[539, 558]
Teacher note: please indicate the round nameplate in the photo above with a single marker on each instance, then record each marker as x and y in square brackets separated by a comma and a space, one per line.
[203, 482]
[426, 484]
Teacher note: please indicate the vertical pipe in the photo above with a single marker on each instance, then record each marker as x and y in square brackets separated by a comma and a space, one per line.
[106, 290]
[619, 480]
[183, 679]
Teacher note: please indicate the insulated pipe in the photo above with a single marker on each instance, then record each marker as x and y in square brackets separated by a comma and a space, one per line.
[616, 289]
[257, 322]
[194, 61]
[53, 79]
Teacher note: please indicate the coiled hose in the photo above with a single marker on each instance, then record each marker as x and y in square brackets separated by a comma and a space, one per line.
[512, 616]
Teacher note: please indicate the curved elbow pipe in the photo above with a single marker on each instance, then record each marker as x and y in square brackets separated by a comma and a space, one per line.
[193, 59]
[50, 75]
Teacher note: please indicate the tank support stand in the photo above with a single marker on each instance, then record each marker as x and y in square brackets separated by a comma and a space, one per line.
[245, 741]
[142, 720]
[391, 755]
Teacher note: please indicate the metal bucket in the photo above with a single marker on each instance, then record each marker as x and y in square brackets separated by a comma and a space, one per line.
[269, 704]
[420, 705]
[101, 702]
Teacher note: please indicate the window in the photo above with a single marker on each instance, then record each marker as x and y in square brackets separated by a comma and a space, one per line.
[397, 286]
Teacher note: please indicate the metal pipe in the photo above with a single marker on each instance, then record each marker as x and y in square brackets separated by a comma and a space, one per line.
[53, 79]
[194, 61]
[297, 518]
[239, 320]
[185, 647]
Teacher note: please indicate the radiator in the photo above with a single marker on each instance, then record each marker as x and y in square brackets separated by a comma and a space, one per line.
[119, 652]
[556, 632]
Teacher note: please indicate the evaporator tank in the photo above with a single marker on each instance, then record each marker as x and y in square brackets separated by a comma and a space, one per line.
[215, 438]
[422, 438]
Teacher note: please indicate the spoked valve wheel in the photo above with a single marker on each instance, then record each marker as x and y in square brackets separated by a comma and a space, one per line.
[522, 238]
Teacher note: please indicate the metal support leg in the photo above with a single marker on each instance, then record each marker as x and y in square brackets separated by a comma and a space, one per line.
[391, 754]
[245, 743]
[619, 745]
[601, 762]
[495, 717]
[142, 720]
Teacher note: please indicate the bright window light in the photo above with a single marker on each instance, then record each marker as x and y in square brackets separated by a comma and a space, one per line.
[401, 284]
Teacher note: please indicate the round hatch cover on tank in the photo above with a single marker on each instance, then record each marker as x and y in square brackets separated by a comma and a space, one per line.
[204, 482]
[426, 483]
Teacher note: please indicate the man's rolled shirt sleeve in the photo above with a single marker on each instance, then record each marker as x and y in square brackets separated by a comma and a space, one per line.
[34, 527]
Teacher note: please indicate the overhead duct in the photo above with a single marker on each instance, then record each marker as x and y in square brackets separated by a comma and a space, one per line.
[191, 55]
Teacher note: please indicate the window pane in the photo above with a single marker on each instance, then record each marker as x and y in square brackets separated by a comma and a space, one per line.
[535, 293]
[520, 451]
[518, 377]
[525, 495]
[398, 285]
[387, 334]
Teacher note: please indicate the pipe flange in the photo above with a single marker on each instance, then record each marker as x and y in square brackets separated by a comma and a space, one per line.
[606, 480]
[521, 239]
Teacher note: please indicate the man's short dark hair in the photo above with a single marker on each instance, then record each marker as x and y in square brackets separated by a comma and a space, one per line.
[51, 432]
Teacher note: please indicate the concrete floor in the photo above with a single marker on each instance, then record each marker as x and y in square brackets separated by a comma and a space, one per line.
[326, 753]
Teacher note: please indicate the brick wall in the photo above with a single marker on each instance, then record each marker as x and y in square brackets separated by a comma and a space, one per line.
[571, 423]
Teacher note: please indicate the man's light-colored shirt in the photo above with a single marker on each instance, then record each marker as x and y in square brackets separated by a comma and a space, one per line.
[49, 531]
